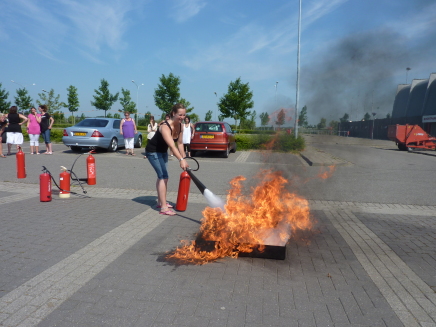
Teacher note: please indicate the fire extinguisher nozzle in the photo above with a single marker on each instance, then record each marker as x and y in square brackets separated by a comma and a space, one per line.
[197, 182]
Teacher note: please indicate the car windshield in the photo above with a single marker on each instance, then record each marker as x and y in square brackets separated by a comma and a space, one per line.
[209, 128]
[93, 123]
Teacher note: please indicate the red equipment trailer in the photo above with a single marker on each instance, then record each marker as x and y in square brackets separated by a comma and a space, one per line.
[409, 137]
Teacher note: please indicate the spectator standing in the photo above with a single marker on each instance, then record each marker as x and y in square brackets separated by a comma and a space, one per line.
[157, 153]
[188, 134]
[128, 130]
[34, 130]
[151, 129]
[14, 134]
[46, 125]
[3, 124]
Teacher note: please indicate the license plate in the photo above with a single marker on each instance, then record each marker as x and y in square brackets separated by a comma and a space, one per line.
[79, 134]
[207, 136]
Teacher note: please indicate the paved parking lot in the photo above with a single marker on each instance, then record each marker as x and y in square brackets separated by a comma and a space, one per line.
[97, 259]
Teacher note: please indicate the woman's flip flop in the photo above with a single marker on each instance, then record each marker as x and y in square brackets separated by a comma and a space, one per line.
[168, 213]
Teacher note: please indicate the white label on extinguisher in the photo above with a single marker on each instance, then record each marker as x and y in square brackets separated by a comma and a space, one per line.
[91, 170]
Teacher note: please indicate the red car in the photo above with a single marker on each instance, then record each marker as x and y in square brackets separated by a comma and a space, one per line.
[213, 136]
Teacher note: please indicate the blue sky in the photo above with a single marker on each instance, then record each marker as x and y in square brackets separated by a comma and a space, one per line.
[354, 53]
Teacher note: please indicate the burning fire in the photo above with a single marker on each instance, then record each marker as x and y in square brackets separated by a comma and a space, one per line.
[327, 174]
[268, 216]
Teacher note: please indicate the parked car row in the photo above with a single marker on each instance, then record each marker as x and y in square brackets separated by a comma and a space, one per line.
[105, 133]
[97, 133]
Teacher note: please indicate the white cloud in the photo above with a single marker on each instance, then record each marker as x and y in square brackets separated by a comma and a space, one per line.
[259, 48]
[185, 9]
[98, 23]
[50, 27]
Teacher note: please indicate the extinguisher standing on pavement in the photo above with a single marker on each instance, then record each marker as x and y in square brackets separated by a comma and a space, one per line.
[91, 170]
[45, 186]
[21, 163]
[183, 194]
[64, 182]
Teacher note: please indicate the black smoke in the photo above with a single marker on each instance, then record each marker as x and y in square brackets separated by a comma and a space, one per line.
[355, 76]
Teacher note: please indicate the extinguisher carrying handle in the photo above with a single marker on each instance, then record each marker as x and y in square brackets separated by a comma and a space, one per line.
[198, 165]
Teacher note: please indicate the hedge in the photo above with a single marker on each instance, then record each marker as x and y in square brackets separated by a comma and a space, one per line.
[282, 142]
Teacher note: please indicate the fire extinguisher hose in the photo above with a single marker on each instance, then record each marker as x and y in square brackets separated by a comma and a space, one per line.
[45, 170]
[198, 165]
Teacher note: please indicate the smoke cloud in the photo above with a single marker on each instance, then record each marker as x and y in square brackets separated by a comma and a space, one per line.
[355, 76]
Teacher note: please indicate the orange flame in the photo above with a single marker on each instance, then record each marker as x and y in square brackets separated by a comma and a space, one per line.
[327, 174]
[266, 217]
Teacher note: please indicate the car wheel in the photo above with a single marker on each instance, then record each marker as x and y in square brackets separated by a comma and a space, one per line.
[76, 148]
[193, 153]
[138, 143]
[234, 149]
[226, 153]
[113, 146]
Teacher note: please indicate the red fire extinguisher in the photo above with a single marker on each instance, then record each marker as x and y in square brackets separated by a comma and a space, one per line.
[21, 164]
[45, 186]
[64, 183]
[183, 194]
[90, 168]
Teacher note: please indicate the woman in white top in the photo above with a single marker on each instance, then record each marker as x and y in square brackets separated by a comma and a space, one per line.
[151, 129]
[188, 134]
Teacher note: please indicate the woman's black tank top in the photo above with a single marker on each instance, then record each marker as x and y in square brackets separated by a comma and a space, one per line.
[157, 143]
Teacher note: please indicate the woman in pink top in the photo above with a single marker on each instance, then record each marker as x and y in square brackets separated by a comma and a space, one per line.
[33, 129]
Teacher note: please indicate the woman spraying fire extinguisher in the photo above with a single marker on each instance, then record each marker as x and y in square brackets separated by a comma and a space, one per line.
[156, 152]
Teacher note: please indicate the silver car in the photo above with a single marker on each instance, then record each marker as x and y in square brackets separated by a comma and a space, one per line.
[97, 133]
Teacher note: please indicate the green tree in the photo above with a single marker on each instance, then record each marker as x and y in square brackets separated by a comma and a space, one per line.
[187, 105]
[167, 93]
[72, 101]
[322, 123]
[23, 100]
[334, 124]
[50, 100]
[58, 116]
[194, 118]
[345, 118]
[237, 101]
[117, 115]
[264, 118]
[367, 116]
[4, 103]
[250, 121]
[208, 116]
[126, 102]
[302, 118]
[104, 99]
[388, 116]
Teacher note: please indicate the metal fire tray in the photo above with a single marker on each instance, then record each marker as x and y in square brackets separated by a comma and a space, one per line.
[269, 252]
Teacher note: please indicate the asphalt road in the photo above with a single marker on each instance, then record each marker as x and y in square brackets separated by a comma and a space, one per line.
[375, 171]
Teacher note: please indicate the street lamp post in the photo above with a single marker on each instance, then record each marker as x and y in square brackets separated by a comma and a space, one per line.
[373, 118]
[216, 116]
[275, 85]
[297, 89]
[407, 72]
[137, 92]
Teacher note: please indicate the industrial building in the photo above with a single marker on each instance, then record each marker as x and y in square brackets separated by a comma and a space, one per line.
[414, 103]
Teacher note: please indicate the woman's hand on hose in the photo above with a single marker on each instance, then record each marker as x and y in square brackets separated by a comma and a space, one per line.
[184, 164]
